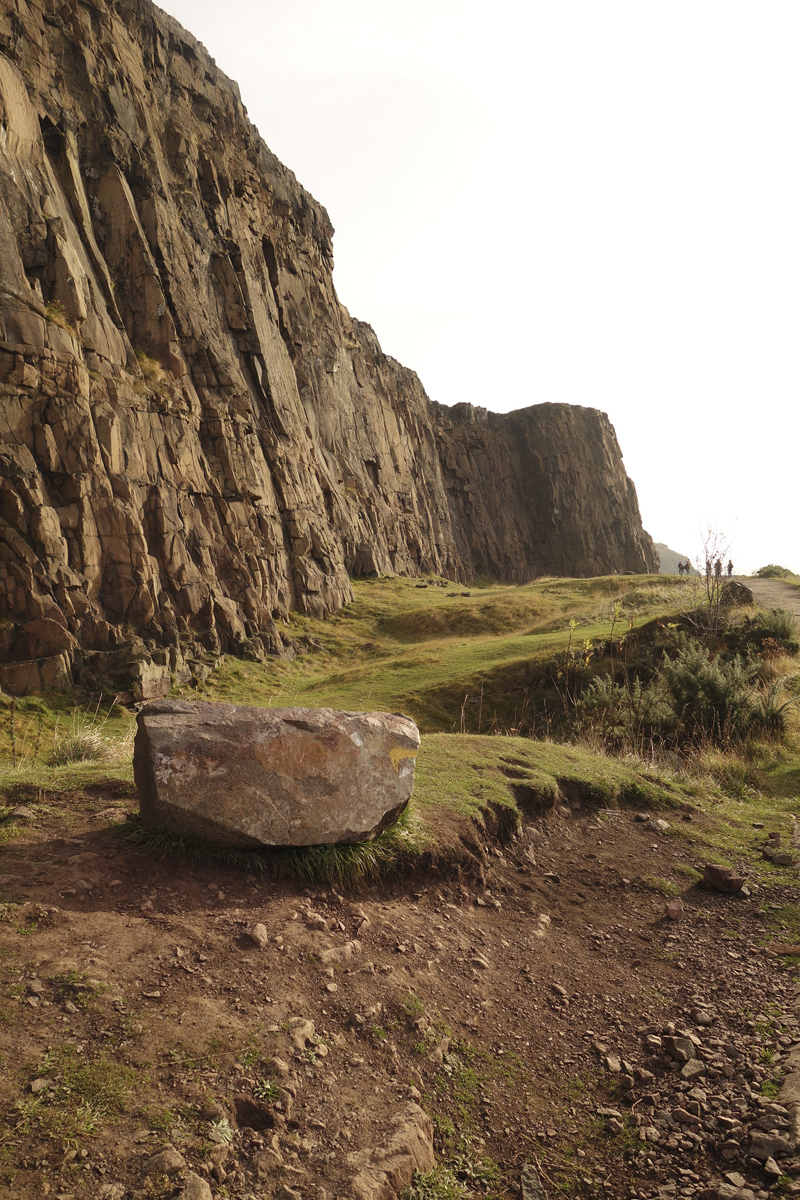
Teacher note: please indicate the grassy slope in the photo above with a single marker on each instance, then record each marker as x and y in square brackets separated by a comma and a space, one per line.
[422, 650]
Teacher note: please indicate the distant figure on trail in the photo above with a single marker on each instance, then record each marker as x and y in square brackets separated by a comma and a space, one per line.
[718, 569]
[730, 568]
[681, 567]
[708, 569]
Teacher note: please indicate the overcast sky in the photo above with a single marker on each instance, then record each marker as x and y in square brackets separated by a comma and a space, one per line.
[594, 202]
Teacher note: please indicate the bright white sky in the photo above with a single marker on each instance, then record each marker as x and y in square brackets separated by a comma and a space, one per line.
[564, 200]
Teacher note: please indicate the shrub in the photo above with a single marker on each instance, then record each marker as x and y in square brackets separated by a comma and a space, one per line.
[712, 698]
[624, 714]
[779, 625]
[152, 371]
[773, 571]
[691, 698]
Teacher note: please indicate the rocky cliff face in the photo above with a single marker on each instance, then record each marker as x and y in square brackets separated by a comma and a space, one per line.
[194, 434]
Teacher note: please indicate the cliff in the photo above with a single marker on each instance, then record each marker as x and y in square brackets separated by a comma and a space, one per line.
[195, 437]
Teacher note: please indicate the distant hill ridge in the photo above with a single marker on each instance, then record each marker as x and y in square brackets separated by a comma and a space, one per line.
[196, 437]
[669, 560]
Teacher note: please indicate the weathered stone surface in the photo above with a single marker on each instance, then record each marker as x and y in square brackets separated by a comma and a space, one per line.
[166, 1162]
[721, 879]
[732, 592]
[243, 776]
[195, 1188]
[36, 675]
[531, 1184]
[195, 436]
[385, 1172]
[769, 1145]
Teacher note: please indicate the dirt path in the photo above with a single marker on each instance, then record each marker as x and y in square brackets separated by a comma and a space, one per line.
[524, 1010]
[773, 593]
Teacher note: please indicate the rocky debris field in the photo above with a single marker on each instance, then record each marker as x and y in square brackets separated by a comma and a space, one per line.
[531, 1023]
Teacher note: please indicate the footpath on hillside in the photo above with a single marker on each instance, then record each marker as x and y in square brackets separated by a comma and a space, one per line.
[774, 593]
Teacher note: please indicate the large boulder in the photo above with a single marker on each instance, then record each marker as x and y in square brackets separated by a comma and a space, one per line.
[243, 776]
[733, 592]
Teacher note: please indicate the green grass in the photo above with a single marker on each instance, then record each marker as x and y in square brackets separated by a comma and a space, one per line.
[346, 864]
[457, 778]
[84, 1094]
[422, 650]
[47, 739]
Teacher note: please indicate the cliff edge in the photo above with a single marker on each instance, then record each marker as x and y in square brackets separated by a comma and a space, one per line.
[195, 437]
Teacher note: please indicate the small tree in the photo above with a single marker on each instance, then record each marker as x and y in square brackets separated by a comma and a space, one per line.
[710, 568]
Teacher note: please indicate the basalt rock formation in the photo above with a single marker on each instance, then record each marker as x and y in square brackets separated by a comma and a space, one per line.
[195, 437]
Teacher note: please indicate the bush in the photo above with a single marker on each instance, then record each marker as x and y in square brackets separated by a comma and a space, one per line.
[773, 571]
[711, 698]
[625, 714]
[779, 625]
[766, 634]
[691, 698]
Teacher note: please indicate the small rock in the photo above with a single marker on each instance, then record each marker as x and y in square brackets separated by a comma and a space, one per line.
[679, 1048]
[769, 1145]
[166, 1162]
[316, 921]
[701, 1016]
[609, 1112]
[23, 813]
[531, 1184]
[195, 1189]
[613, 1064]
[559, 990]
[40, 1085]
[772, 1168]
[340, 954]
[734, 1178]
[213, 1112]
[259, 935]
[674, 909]
[614, 1126]
[69, 1007]
[694, 1069]
[302, 1032]
[721, 879]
